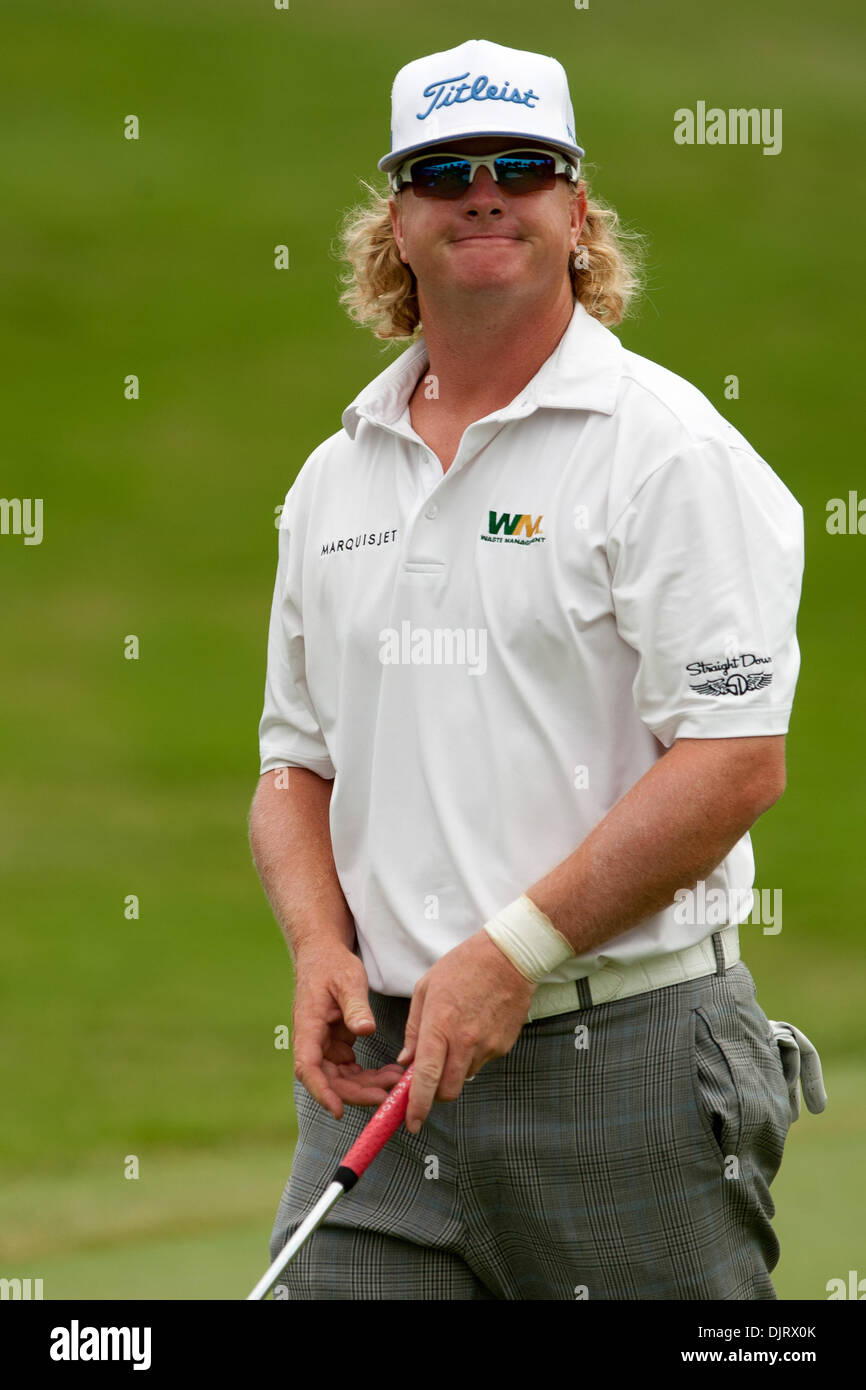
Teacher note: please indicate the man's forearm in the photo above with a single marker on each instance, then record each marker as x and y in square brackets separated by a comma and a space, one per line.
[670, 830]
[290, 839]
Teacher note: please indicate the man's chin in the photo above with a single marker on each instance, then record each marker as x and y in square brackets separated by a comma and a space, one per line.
[488, 279]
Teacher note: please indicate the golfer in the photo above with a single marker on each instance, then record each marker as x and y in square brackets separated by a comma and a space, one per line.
[531, 664]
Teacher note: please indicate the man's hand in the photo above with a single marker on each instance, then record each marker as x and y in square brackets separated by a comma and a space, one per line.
[467, 1009]
[332, 1009]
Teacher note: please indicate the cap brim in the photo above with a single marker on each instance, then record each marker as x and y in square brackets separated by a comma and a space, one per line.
[389, 162]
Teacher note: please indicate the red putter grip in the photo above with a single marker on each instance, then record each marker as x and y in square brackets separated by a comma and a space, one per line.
[375, 1135]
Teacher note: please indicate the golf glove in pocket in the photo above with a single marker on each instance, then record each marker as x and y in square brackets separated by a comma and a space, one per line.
[801, 1064]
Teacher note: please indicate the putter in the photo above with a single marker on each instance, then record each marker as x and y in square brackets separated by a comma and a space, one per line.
[373, 1137]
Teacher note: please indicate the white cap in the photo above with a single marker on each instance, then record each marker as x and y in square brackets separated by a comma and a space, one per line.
[480, 88]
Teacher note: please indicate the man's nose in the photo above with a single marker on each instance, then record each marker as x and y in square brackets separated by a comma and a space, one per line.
[484, 194]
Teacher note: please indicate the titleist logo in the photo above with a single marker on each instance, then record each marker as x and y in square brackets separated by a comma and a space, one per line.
[481, 89]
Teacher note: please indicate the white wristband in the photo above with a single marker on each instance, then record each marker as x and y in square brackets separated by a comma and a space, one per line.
[529, 939]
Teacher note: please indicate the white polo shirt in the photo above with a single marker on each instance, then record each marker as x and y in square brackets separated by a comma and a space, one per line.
[485, 660]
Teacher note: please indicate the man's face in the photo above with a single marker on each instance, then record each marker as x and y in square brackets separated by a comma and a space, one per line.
[488, 240]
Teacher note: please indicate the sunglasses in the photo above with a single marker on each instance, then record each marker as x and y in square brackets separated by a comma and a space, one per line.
[444, 175]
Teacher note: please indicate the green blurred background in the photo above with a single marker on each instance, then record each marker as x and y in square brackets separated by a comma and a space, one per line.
[155, 1036]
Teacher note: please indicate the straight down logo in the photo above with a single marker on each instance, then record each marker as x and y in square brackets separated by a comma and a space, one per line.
[508, 528]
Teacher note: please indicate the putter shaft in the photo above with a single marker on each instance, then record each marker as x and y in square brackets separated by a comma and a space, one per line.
[372, 1139]
[294, 1243]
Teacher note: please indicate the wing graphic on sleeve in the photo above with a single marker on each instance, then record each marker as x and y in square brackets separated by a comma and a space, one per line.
[716, 687]
[737, 684]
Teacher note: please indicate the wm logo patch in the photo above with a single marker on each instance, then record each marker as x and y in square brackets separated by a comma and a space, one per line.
[519, 528]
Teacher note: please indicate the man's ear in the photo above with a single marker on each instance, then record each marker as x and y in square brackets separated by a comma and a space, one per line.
[397, 226]
[578, 213]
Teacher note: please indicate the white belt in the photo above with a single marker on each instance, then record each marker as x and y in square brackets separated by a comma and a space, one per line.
[616, 981]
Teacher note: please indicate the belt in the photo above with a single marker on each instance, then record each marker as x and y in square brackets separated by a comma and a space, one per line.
[711, 956]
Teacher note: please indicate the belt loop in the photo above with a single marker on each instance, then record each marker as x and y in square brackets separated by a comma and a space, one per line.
[720, 952]
[584, 993]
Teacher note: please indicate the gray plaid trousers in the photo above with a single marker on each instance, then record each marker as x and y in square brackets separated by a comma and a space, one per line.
[624, 1151]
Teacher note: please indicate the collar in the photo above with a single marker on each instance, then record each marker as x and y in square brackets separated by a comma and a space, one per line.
[582, 373]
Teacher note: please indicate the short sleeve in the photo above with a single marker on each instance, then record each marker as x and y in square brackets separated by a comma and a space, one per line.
[289, 731]
[706, 571]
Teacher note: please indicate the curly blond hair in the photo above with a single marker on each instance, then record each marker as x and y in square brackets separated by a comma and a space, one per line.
[380, 291]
